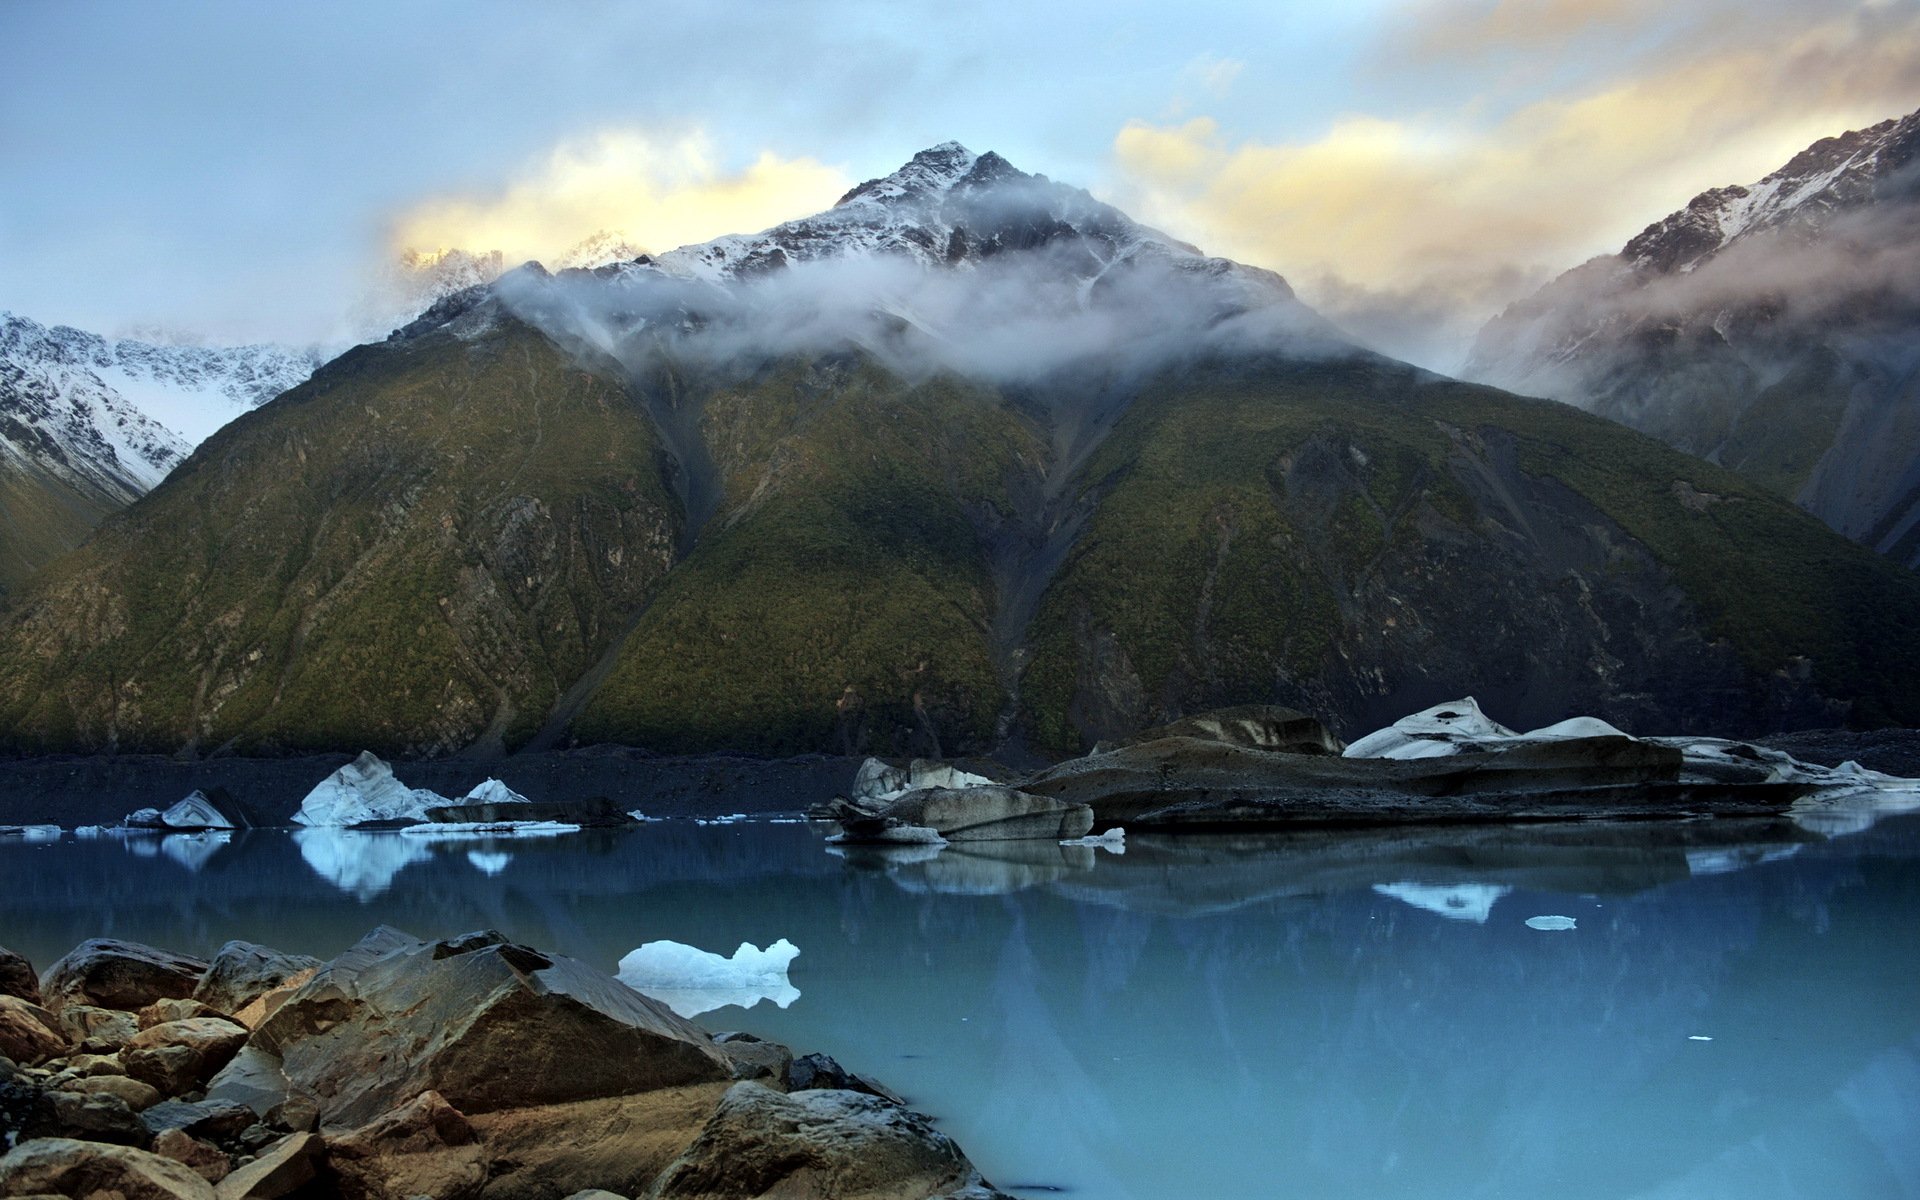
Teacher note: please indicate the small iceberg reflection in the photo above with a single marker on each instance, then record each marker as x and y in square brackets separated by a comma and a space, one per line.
[192, 850]
[361, 864]
[692, 981]
[1458, 902]
[489, 862]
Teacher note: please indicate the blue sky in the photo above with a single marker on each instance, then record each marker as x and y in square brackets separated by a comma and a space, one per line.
[245, 170]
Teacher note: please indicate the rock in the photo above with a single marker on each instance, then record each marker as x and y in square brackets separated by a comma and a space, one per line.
[29, 1034]
[100, 1030]
[281, 1169]
[209, 1119]
[424, 1147]
[753, 1058]
[242, 972]
[95, 1064]
[267, 1003]
[815, 1071]
[364, 790]
[181, 1056]
[119, 975]
[1256, 726]
[987, 812]
[162, 1011]
[595, 1194]
[467, 1017]
[134, 1094]
[28, 1110]
[17, 977]
[620, 1143]
[816, 1145]
[66, 1167]
[207, 1161]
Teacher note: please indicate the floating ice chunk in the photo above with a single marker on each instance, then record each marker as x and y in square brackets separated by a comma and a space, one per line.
[365, 790]
[1458, 902]
[1550, 923]
[1698, 1037]
[90, 831]
[494, 792]
[453, 831]
[360, 863]
[142, 818]
[1574, 727]
[489, 862]
[691, 981]
[32, 833]
[1431, 733]
[195, 812]
[727, 819]
[641, 817]
[877, 782]
[1113, 841]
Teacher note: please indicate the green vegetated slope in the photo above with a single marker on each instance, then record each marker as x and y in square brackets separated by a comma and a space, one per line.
[840, 598]
[41, 518]
[1358, 540]
[413, 551]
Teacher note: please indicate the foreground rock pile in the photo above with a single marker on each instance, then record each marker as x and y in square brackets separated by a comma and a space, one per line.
[469, 1067]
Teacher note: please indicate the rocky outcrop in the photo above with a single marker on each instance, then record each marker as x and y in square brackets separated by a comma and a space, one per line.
[28, 1033]
[241, 972]
[181, 1056]
[119, 975]
[67, 1167]
[17, 977]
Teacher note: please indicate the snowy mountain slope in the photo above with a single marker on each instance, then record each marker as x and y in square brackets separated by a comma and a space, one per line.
[101, 422]
[1773, 328]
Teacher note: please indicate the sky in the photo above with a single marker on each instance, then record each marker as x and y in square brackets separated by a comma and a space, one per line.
[248, 171]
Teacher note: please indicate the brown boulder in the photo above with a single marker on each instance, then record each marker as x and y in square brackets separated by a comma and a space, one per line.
[134, 1094]
[207, 1161]
[98, 1030]
[425, 1147]
[122, 975]
[621, 1143]
[162, 1011]
[29, 1034]
[242, 972]
[181, 1056]
[268, 1002]
[67, 1167]
[281, 1169]
[17, 977]
[819, 1145]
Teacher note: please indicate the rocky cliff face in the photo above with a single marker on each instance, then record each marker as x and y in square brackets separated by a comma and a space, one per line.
[1771, 328]
[973, 463]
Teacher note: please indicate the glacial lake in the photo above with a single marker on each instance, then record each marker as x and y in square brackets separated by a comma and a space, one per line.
[1368, 1014]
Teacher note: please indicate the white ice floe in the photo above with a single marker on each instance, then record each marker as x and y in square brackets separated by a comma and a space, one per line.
[448, 831]
[362, 864]
[1698, 1037]
[489, 862]
[1431, 733]
[493, 792]
[196, 812]
[691, 981]
[142, 818]
[32, 833]
[90, 831]
[1457, 901]
[877, 782]
[365, 790]
[1113, 841]
[1551, 923]
[725, 819]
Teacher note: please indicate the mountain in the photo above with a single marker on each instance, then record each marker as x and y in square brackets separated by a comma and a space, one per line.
[1773, 328]
[969, 462]
[87, 425]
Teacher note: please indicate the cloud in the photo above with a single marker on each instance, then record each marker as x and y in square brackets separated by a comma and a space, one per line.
[658, 192]
[1448, 211]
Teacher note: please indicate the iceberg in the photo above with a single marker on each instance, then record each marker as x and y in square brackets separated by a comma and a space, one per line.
[32, 833]
[451, 831]
[691, 981]
[365, 790]
[1457, 902]
[1551, 923]
[198, 811]
[877, 782]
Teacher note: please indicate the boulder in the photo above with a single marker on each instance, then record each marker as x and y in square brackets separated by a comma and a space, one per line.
[254, 1082]
[814, 1072]
[620, 1144]
[29, 1034]
[264, 1005]
[162, 1011]
[207, 1161]
[281, 1169]
[209, 1119]
[98, 1030]
[17, 977]
[986, 812]
[425, 1147]
[486, 1023]
[120, 975]
[181, 1056]
[753, 1058]
[242, 972]
[66, 1167]
[818, 1145]
[135, 1095]
[28, 1110]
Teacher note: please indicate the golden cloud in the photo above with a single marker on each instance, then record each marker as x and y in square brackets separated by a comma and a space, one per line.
[657, 193]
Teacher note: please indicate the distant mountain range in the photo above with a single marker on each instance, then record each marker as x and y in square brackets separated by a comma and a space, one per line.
[1773, 328]
[969, 462]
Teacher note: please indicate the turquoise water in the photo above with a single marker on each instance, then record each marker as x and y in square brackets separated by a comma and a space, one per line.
[1735, 1013]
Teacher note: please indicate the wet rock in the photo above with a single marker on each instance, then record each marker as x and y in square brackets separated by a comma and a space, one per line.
[818, 1144]
[811, 1072]
[753, 1058]
[621, 1143]
[119, 975]
[267, 1003]
[17, 977]
[281, 1169]
[95, 1064]
[208, 1119]
[242, 972]
[162, 1011]
[28, 1110]
[134, 1094]
[181, 1056]
[29, 1034]
[465, 1017]
[63, 1166]
[425, 1147]
[98, 1030]
[207, 1161]
[987, 812]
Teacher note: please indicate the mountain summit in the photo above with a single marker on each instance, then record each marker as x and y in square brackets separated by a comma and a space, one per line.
[968, 462]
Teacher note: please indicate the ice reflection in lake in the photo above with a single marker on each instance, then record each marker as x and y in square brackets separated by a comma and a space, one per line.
[1735, 1013]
